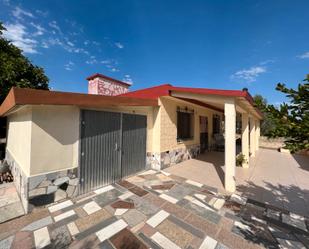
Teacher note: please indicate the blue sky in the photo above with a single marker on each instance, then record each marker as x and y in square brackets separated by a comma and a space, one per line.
[211, 44]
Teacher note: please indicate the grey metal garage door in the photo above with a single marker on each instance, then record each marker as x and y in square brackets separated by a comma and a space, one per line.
[113, 146]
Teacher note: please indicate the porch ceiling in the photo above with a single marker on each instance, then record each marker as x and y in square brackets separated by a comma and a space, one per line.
[216, 102]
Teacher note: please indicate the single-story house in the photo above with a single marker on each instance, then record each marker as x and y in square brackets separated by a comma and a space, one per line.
[62, 144]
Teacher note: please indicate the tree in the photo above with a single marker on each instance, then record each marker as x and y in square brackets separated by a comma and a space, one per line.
[17, 70]
[267, 124]
[292, 119]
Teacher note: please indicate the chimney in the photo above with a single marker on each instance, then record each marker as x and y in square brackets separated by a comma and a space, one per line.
[103, 85]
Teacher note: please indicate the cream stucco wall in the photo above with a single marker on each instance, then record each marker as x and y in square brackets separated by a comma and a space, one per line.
[19, 137]
[168, 123]
[54, 138]
[44, 139]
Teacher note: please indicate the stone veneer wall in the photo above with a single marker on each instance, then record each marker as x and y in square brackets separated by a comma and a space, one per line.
[166, 159]
[43, 189]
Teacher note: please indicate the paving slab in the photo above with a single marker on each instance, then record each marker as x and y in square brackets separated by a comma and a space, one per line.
[110, 230]
[298, 222]
[95, 228]
[22, 239]
[6, 243]
[108, 197]
[41, 238]
[86, 222]
[175, 233]
[91, 207]
[38, 224]
[157, 218]
[164, 242]
[60, 237]
[134, 217]
[126, 239]
[144, 206]
[11, 211]
[203, 212]
[187, 227]
[123, 204]
[179, 191]
[148, 241]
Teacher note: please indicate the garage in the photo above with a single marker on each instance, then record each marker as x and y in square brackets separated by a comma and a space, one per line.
[112, 147]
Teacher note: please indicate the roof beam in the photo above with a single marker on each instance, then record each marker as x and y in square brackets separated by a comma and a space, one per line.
[201, 97]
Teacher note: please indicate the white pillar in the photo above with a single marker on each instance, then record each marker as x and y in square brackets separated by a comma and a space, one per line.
[252, 136]
[245, 138]
[230, 145]
[257, 134]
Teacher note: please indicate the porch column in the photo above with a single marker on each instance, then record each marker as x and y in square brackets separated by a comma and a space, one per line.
[252, 136]
[230, 145]
[245, 138]
[257, 134]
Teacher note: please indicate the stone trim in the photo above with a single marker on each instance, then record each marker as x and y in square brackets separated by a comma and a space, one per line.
[20, 179]
[159, 161]
[43, 189]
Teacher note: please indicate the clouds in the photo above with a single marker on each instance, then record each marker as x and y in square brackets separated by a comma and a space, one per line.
[249, 75]
[119, 45]
[127, 78]
[35, 31]
[54, 26]
[39, 29]
[304, 55]
[18, 34]
[20, 13]
[69, 66]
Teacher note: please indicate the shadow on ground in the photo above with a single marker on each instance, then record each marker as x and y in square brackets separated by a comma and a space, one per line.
[302, 160]
[290, 197]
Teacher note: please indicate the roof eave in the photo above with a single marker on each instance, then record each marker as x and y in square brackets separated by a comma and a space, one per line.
[23, 96]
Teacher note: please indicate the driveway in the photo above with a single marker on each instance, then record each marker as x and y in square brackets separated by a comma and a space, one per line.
[156, 210]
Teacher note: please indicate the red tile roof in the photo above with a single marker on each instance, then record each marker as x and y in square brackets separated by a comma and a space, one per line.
[165, 90]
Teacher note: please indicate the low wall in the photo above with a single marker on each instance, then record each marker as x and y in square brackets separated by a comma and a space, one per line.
[159, 161]
[271, 143]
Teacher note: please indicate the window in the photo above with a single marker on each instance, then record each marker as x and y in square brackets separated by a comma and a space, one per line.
[216, 124]
[184, 124]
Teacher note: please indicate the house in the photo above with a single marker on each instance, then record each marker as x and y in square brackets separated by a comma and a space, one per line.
[62, 144]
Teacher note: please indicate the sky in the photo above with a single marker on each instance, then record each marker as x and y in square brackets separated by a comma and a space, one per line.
[211, 44]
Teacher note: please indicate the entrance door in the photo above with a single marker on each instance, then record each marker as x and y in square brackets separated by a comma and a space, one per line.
[112, 146]
[203, 133]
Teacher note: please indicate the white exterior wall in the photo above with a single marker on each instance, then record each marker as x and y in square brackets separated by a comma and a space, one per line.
[54, 138]
[19, 138]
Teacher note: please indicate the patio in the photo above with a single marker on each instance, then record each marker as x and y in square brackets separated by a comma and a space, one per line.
[272, 177]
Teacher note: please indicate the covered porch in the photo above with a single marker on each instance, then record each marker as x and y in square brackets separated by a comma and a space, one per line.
[240, 116]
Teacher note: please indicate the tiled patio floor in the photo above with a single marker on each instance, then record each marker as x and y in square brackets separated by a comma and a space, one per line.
[276, 178]
[156, 210]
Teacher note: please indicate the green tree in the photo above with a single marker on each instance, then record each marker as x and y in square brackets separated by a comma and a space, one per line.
[267, 124]
[17, 70]
[292, 119]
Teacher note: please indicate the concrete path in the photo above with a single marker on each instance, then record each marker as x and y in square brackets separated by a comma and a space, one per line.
[275, 178]
[157, 210]
[10, 204]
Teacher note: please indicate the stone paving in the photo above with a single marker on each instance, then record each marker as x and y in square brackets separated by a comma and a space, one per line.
[10, 204]
[157, 210]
